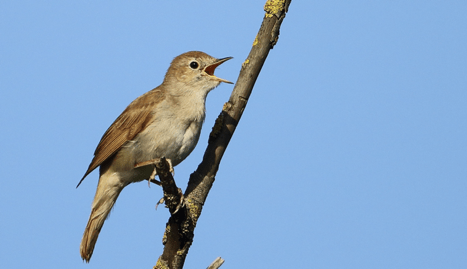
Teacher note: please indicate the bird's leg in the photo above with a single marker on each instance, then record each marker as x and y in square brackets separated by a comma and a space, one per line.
[171, 168]
[152, 177]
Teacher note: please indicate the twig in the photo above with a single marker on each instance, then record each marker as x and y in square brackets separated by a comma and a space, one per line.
[216, 263]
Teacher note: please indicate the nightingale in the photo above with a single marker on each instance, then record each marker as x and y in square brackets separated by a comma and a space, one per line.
[164, 122]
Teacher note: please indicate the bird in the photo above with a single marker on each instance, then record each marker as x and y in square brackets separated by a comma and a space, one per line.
[163, 122]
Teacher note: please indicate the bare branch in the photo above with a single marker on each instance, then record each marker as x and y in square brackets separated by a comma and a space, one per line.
[216, 263]
[179, 233]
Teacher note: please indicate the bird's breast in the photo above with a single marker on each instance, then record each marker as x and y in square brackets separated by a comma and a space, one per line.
[190, 139]
[172, 138]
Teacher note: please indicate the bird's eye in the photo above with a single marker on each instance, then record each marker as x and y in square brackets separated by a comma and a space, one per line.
[194, 65]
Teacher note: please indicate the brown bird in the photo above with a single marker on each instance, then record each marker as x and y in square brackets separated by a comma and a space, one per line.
[164, 122]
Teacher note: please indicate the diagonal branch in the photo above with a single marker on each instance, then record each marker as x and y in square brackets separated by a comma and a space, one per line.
[179, 232]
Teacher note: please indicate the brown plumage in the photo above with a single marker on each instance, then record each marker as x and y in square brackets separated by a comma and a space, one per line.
[164, 122]
[133, 120]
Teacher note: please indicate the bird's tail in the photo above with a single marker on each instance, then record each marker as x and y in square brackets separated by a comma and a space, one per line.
[107, 192]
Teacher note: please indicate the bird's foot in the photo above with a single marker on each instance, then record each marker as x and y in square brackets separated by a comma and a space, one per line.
[171, 168]
[179, 204]
[161, 201]
[152, 177]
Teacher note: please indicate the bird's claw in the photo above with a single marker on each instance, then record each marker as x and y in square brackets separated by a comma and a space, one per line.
[161, 201]
[152, 177]
[179, 205]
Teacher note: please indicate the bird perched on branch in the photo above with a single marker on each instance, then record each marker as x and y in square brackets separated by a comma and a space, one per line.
[164, 122]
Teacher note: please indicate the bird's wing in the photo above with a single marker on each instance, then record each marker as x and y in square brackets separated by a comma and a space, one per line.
[134, 119]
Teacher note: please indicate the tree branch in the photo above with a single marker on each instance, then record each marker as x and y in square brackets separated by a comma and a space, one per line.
[216, 263]
[179, 232]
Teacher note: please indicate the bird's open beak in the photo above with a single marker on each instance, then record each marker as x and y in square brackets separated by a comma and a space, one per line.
[210, 69]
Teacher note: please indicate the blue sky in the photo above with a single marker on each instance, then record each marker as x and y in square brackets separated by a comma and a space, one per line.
[351, 153]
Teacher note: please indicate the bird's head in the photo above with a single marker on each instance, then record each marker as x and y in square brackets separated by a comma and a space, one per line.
[194, 70]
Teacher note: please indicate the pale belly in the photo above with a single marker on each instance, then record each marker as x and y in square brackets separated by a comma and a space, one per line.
[174, 142]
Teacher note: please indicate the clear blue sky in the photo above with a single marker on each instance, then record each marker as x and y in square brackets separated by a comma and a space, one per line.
[352, 152]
